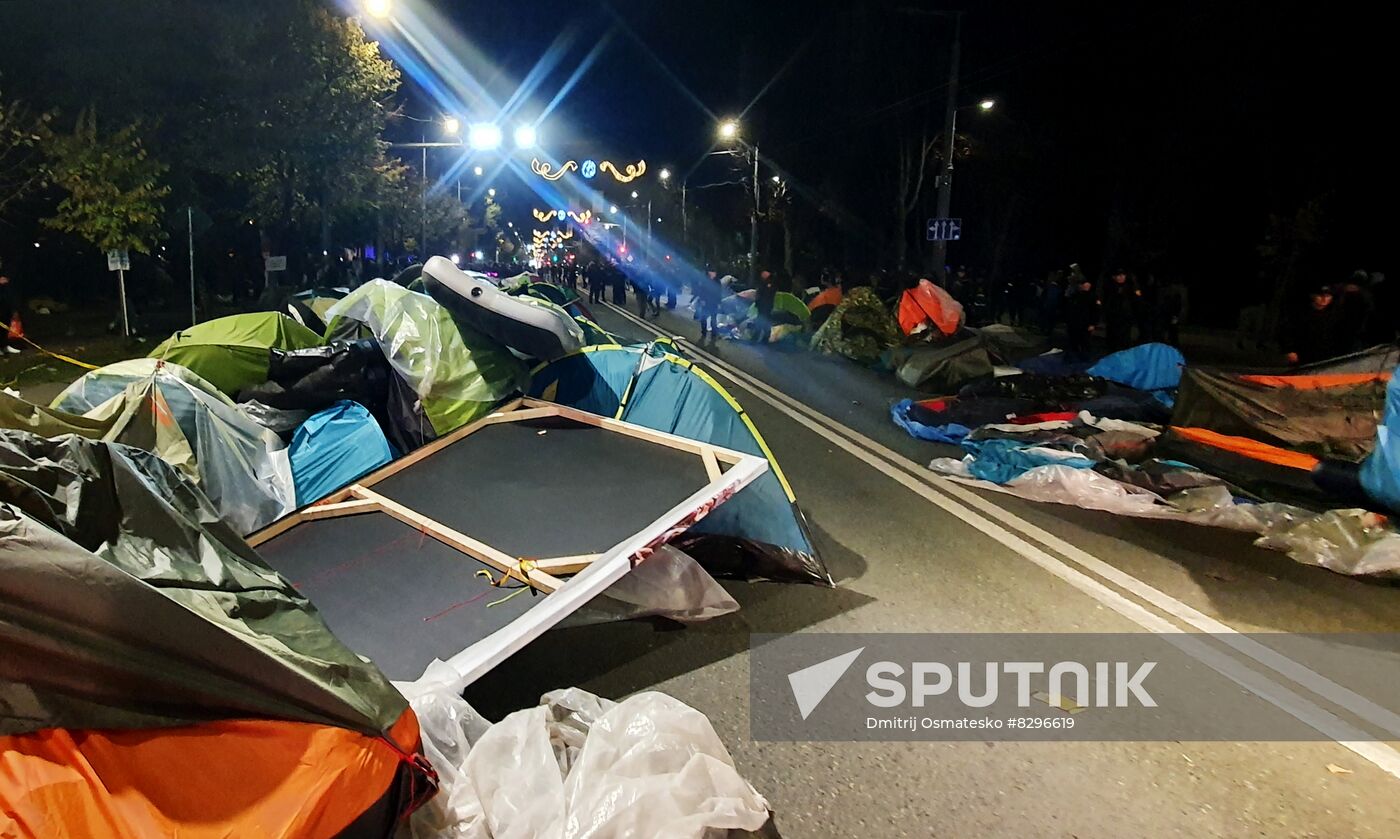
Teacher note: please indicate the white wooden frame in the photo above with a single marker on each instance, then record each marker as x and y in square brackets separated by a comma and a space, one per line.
[727, 471]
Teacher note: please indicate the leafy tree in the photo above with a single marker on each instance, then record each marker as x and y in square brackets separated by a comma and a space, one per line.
[23, 132]
[113, 187]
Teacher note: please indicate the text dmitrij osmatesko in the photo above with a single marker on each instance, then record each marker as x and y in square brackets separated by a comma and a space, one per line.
[1112, 684]
[965, 723]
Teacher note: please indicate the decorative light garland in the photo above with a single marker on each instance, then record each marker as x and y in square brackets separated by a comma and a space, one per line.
[589, 169]
[544, 170]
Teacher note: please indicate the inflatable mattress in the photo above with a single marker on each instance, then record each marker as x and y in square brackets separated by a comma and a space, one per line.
[525, 324]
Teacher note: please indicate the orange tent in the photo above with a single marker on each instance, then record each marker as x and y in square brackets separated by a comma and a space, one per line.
[828, 297]
[929, 304]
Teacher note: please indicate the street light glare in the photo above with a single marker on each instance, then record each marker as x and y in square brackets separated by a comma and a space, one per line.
[728, 130]
[634, 193]
[526, 136]
[987, 104]
[379, 8]
[491, 192]
[665, 174]
[613, 209]
[484, 136]
[451, 125]
[777, 179]
[478, 171]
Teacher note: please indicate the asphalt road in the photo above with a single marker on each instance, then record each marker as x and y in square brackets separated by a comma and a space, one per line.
[913, 553]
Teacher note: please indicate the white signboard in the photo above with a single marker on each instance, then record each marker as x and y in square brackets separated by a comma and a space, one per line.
[276, 263]
[118, 261]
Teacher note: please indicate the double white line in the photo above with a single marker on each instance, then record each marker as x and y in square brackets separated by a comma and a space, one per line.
[1071, 564]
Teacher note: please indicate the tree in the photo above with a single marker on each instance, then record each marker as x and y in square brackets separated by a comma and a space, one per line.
[23, 132]
[113, 187]
[913, 160]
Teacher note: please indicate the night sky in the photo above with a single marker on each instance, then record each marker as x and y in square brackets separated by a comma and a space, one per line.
[1159, 136]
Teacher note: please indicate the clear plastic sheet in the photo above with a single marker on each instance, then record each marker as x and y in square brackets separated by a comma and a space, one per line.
[577, 767]
[1350, 541]
[668, 584]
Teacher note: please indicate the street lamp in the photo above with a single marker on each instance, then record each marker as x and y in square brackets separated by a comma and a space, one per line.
[987, 104]
[484, 136]
[777, 179]
[526, 136]
[478, 171]
[665, 174]
[613, 209]
[729, 129]
[491, 192]
[379, 8]
[634, 193]
[451, 126]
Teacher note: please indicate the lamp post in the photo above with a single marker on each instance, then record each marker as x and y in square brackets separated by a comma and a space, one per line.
[729, 130]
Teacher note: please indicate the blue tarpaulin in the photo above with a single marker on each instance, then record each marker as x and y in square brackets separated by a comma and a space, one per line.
[1145, 367]
[951, 433]
[333, 448]
[999, 460]
[1380, 472]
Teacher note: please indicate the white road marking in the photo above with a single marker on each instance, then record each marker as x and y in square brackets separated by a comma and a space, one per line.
[964, 504]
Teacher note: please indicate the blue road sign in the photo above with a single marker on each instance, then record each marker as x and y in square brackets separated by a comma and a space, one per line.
[944, 229]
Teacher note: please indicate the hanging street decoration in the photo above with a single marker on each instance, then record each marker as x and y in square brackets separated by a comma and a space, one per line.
[589, 169]
[582, 217]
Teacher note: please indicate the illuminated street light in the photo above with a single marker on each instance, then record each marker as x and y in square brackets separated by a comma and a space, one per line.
[777, 179]
[729, 129]
[491, 192]
[665, 174]
[451, 126]
[379, 8]
[456, 259]
[613, 209]
[526, 136]
[484, 136]
[634, 193]
[987, 104]
[478, 171]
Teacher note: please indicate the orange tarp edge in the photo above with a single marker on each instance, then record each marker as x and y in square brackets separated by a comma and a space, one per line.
[217, 779]
[1249, 448]
[1317, 382]
[828, 297]
[927, 301]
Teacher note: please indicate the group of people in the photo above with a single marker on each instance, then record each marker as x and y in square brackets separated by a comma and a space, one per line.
[1341, 318]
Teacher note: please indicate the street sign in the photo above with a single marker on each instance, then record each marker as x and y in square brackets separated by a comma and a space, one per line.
[275, 263]
[944, 229]
[118, 261]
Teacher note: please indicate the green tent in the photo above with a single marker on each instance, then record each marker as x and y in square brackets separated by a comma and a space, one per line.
[787, 309]
[860, 328]
[457, 374]
[231, 353]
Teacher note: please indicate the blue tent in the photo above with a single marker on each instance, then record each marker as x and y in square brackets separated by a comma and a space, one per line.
[760, 530]
[1380, 472]
[335, 447]
[1145, 367]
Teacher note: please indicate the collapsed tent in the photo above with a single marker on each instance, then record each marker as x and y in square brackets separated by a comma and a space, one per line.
[309, 308]
[455, 374]
[160, 679]
[98, 387]
[231, 353]
[333, 448]
[1380, 473]
[929, 308]
[1145, 367]
[787, 310]
[860, 328]
[760, 532]
[943, 368]
[1324, 414]
[242, 467]
[824, 303]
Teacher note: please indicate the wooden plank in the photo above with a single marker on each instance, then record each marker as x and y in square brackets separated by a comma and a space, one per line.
[660, 438]
[273, 530]
[711, 464]
[343, 508]
[480, 551]
[435, 446]
[520, 415]
[561, 565]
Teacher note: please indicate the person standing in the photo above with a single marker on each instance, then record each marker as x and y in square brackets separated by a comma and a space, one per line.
[1316, 333]
[1119, 307]
[1081, 317]
[593, 278]
[9, 305]
[763, 302]
[707, 302]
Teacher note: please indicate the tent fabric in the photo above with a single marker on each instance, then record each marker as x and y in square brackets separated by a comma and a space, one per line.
[96, 387]
[1248, 448]
[1145, 367]
[221, 634]
[226, 708]
[457, 374]
[944, 368]
[1316, 382]
[231, 353]
[787, 309]
[1380, 472]
[830, 296]
[860, 328]
[951, 433]
[1336, 421]
[214, 780]
[927, 304]
[333, 448]
[647, 386]
[1002, 460]
[242, 467]
[1256, 468]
